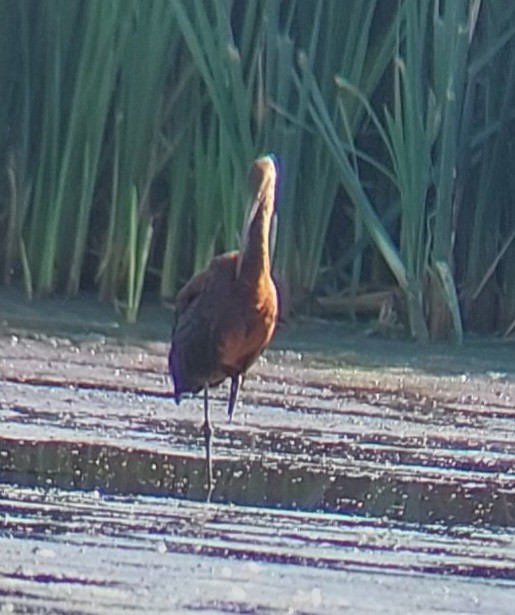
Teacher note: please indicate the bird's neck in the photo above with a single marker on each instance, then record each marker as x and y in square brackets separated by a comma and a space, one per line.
[255, 257]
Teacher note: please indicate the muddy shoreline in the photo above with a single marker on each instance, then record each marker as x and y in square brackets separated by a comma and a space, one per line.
[358, 471]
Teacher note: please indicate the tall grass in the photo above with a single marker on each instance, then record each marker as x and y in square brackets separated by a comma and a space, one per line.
[74, 99]
[421, 133]
[223, 142]
[127, 129]
[139, 152]
[15, 137]
[485, 221]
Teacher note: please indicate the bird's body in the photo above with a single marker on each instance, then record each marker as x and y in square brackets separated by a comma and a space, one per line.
[223, 325]
[227, 314]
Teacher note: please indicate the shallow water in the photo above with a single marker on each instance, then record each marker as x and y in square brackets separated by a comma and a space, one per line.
[319, 481]
[348, 478]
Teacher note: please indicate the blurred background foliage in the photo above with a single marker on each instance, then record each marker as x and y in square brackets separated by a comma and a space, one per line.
[127, 128]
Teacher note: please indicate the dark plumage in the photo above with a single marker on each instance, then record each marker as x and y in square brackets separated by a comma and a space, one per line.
[227, 314]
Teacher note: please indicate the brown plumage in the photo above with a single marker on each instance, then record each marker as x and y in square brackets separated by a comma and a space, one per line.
[227, 314]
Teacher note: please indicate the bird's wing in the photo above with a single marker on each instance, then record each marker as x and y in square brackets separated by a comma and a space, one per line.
[209, 283]
[191, 291]
[200, 305]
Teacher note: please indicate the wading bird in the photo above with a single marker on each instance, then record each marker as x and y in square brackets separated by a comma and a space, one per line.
[226, 315]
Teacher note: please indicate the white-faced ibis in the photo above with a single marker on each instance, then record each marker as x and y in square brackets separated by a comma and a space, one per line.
[226, 315]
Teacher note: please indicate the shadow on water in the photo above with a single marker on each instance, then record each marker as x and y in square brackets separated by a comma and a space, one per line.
[280, 483]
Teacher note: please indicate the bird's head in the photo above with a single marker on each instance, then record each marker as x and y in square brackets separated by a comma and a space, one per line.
[263, 174]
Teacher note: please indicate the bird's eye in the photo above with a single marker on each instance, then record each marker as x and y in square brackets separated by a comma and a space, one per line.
[277, 162]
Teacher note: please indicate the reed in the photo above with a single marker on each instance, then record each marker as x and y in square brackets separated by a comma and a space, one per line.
[75, 99]
[176, 254]
[420, 133]
[14, 139]
[127, 129]
[484, 205]
[223, 141]
[139, 153]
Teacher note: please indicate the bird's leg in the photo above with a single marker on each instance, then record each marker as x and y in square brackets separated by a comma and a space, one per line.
[208, 433]
[235, 386]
